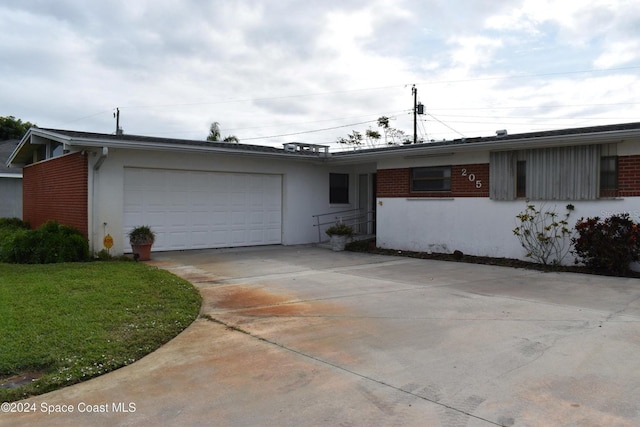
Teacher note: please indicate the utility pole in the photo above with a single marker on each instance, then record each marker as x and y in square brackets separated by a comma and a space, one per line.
[414, 91]
[117, 116]
[417, 109]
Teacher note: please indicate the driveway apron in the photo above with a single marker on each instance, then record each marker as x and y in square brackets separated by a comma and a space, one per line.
[301, 335]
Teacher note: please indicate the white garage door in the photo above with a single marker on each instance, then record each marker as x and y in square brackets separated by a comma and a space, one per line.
[195, 210]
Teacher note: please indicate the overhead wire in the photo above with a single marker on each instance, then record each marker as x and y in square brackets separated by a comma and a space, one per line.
[439, 120]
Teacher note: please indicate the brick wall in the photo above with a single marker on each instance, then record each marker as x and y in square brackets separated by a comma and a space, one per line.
[470, 180]
[466, 181]
[56, 189]
[393, 182]
[628, 176]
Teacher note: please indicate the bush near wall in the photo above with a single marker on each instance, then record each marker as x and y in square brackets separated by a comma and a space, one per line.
[8, 229]
[49, 243]
[607, 245]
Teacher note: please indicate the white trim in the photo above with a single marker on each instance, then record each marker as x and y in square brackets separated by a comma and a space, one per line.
[11, 175]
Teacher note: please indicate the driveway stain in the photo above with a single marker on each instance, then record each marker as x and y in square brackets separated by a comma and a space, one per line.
[237, 297]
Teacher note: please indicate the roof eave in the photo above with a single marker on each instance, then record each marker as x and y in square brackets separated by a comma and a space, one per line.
[141, 145]
[82, 143]
[495, 145]
[9, 163]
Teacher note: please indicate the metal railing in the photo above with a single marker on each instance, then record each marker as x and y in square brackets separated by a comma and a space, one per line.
[359, 219]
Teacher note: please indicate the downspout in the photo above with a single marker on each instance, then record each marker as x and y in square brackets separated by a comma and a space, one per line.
[103, 156]
[94, 227]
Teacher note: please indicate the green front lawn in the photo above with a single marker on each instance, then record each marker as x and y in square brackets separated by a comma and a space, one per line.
[66, 323]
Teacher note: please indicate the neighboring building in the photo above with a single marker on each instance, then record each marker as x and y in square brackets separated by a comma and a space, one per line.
[10, 183]
[462, 194]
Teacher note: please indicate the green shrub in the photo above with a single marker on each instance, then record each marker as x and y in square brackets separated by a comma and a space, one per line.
[13, 223]
[361, 245]
[50, 243]
[607, 245]
[339, 229]
[8, 229]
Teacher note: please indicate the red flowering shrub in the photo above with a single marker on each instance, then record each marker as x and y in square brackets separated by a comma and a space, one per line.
[607, 245]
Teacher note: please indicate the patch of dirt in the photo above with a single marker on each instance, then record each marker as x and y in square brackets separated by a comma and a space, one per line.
[369, 246]
[19, 380]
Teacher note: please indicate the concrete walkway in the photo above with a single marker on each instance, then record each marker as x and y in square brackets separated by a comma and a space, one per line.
[300, 336]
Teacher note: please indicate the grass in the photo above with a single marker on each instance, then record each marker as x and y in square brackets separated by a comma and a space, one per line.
[66, 323]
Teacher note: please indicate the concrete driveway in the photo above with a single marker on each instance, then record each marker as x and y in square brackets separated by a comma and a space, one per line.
[300, 336]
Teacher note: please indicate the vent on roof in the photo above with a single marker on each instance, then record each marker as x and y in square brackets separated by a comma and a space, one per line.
[299, 147]
[500, 133]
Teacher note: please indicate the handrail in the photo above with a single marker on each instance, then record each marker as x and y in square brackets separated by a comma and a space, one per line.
[357, 217]
[335, 212]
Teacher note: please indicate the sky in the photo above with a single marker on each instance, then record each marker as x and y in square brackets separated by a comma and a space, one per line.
[272, 72]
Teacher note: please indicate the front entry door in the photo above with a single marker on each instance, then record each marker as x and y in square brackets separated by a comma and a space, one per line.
[367, 203]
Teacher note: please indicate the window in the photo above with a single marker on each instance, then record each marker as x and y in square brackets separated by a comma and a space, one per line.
[608, 176]
[431, 179]
[55, 149]
[339, 188]
[521, 179]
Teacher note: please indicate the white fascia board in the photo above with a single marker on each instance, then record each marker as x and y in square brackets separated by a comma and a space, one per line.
[23, 141]
[11, 175]
[33, 137]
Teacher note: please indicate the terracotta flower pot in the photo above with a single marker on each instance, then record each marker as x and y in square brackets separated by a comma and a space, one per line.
[142, 252]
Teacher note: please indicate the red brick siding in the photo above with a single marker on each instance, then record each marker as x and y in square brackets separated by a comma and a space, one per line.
[57, 190]
[470, 180]
[397, 182]
[628, 176]
[393, 182]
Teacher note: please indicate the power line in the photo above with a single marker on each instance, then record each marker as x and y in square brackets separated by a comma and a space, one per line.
[444, 124]
[522, 76]
[403, 85]
[439, 120]
[530, 107]
[318, 121]
[309, 131]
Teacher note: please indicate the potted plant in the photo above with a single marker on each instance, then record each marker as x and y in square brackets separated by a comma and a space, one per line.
[338, 235]
[141, 238]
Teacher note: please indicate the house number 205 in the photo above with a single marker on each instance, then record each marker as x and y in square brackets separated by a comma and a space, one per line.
[472, 178]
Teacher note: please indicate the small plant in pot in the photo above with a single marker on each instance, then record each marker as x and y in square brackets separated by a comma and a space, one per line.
[141, 238]
[338, 235]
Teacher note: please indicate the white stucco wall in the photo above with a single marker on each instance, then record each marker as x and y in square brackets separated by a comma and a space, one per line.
[475, 226]
[305, 188]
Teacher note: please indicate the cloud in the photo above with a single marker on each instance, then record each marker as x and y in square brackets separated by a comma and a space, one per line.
[272, 68]
[618, 54]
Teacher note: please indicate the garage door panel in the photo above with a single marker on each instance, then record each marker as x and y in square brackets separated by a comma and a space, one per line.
[201, 219]
[200, 239]
[177, 240]
[238, 218]
[218, 237]
[239, 237]
[220, 218]
[190, 209]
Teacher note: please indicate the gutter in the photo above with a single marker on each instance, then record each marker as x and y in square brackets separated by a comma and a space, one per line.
[427, 150]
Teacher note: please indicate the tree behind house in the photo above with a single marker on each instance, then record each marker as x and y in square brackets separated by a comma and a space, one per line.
[12, 128]
[216, 136]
